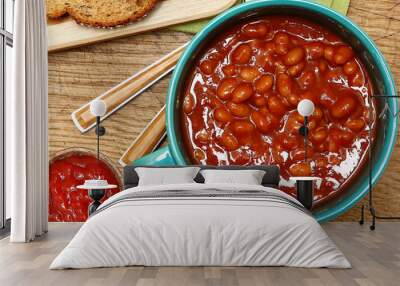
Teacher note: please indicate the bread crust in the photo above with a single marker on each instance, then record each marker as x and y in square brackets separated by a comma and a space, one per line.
[106, 13]
[56, 8]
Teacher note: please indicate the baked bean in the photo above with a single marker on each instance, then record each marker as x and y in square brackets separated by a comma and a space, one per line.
[226, 87]
[229, 70]
[318, 113]
[336, 76]
[314, 50]
[255, 30]
[284, 84]
[264, 110]
[188, 104]
[333, 147]
[297, 154]
[321, 147]
[297, 116]
[321, 162]
[340, 136]
[311, 95]
[199, 154]
[359, 111]
[346, 137]
[229, 141]
[350, 67]
[215, 56]
[261, 121]
[333, 160]
[319, 135]
[357, 79]
[300, 169]
[222, 115]
[294, 56]
[329, 53]
[342, 55]
[241, 127]
[356, 124]
[279, 67]
[285, 102]
[288, 141]
[256, 44]
[240, 157]
[343, 107]
[264, 83]
[242, 92]
[276, 156]
[239, 109]
[274, 121]
[306, 80]
[202, 136]
[246, 140]
[269, 47]
[259, 100]
[295, 41]
[276, 106]
[327, 98]
[293, 99]
[249, 73]
[242, 54]
[281, 49]
[296, 69]
[322, 66]
[281, 41]
[208, 66]
[281, 38]
[215, 102]
[292, 125]
[334, 133]
[312, 124]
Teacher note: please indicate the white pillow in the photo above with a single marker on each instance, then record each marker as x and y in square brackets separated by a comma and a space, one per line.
[246, 177]
[166, 176]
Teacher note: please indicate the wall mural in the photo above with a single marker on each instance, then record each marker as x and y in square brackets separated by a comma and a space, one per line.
[238, 104]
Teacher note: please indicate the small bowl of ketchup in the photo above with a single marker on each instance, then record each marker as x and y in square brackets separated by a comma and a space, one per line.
[233, 95]
[69, 169]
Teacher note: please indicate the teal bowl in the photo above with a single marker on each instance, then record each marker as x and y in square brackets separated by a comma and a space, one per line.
[374, 61]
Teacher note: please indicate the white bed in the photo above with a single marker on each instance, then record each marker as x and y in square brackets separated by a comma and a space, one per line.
[269, 229]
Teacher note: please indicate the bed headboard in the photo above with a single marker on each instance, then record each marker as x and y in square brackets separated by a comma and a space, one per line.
[270, 179]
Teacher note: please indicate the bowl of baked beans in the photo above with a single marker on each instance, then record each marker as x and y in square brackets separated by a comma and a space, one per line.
[233, 99]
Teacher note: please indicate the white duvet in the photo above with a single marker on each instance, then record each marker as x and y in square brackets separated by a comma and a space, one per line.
[200, 231]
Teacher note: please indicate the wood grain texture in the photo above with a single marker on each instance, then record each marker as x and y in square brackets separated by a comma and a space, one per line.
[119, 95]
[66, 33]
[79, 75]
[375, 258]
[147, 140]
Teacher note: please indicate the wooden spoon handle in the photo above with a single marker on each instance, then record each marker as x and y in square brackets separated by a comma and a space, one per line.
[125, 91]
[147, 140]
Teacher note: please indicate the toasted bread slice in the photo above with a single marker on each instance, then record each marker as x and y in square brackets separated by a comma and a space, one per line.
[56, 8]
[100, 13]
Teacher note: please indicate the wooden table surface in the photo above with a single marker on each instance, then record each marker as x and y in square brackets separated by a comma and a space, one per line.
[78, 75]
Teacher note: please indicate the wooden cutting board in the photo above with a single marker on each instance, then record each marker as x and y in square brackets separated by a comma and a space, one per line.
[66, 33]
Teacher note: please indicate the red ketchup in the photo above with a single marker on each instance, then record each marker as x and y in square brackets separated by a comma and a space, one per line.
[66, 202]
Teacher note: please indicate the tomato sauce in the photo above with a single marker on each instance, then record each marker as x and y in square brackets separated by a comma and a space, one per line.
[240, 102]
[66, 202]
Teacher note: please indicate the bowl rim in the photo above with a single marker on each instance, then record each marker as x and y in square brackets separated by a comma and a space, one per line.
[382, 161]
[60, 154]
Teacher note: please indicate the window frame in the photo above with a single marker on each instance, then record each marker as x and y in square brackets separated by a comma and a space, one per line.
[6, 39]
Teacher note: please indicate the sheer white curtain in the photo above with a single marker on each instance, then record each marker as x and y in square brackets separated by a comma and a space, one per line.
[26, 124]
